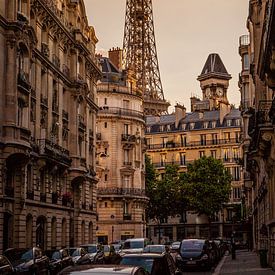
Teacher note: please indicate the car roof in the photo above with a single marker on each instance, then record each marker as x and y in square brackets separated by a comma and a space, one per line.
[136, 239]
[98, 269]
[143, 255]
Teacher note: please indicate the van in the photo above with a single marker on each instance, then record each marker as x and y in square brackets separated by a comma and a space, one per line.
[134, 245]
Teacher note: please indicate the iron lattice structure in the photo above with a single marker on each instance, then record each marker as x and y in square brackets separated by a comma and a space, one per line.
[140, 54]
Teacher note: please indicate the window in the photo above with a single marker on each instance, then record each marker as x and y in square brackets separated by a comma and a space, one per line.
[192, 126]
[105, 177]
[105, 124]
[203, 139]
[213, 154]
[229, 122]
[162, 159]
[236, 193]
[126, 104]
[246, 62]
[125, 207]
[105, 101]
[80, 142]
[238, 136]
[205, 125]
[182, 159]
[235, 153]
[237, 122]
[226, 154]
[201, 154]
[226, 136]
[236, 173]
[214, 124]
[214, 138]
[126, 181]
[183, 140]
[126, 156]
[126, 129]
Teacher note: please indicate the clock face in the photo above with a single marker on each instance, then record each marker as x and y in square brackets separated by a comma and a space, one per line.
[219, 91]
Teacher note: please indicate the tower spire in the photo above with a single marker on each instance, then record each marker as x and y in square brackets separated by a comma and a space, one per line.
[140, 54]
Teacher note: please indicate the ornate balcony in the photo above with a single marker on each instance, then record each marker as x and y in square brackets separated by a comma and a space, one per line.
[127, 217]
[52, 150]
[121, 191]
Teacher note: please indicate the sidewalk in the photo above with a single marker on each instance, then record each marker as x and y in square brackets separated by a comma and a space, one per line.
[246, 262]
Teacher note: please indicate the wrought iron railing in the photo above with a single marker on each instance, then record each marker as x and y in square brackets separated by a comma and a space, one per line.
[121, 191]
[194, 143]
[120, 112]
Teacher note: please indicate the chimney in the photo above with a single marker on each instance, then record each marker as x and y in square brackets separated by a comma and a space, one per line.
[194, 100]
[115, 56]
[180, 112]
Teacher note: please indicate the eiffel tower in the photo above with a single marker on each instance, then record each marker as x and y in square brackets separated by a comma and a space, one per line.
[140, 55]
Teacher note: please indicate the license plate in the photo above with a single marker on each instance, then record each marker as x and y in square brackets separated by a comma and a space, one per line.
[191, 262]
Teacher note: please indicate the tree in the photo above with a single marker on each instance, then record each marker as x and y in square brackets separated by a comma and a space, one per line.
[207, 185]
[165, 195]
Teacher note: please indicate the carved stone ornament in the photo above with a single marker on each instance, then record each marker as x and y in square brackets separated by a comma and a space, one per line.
[11, 40]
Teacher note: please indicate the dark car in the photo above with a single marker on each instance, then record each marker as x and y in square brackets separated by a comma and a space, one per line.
[80, 255]
[59, 259]
[154, 264]
[6, 267]
[28, 260]
[195, 253]
[104, 270]
[96, 253]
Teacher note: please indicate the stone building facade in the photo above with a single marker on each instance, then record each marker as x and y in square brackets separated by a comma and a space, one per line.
[48, 75]
[120, 152]
[257, 84]
[212, 128]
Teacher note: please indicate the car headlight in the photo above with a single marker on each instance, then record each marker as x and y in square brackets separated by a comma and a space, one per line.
[204, 257]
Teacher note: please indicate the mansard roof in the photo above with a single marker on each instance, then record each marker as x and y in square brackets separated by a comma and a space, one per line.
[196, 118]
[214, 67]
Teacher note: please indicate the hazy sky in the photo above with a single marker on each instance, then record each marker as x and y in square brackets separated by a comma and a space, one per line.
[186, 33]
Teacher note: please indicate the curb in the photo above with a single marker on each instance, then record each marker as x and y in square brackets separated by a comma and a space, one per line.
[219, 266]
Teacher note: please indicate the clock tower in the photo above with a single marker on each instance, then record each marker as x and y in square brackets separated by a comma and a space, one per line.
[214, 81]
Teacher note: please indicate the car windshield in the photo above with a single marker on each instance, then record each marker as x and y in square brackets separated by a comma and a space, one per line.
[17, 256]
[192, 245]
[74, 252]
[90, 248]
[146, 263]
[56, 255]
[154, 248]
[133, 244]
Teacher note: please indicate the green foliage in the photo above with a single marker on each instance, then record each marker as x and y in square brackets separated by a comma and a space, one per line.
[206, 185]
[166, 196]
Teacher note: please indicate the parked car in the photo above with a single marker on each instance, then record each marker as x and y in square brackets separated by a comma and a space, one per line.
[195, 253]
[155, 248]
[6, 267]
[104, 270]
[154, 264]
[80, 256]
[59, 259]
[95, 252]
[28, 260]
[134, 245]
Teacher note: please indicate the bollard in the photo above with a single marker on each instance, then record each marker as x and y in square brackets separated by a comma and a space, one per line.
[233, 252]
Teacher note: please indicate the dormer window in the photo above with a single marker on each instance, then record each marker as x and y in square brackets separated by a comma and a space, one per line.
[205, 125]
[192, 125]
[229, 122]
[237, 122]
[214, 124]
